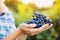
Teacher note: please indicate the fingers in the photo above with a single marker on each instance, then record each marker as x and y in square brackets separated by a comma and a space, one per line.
[32, 25]
[29, 28]
[28, 25]
[31, 31]
[45, 27]
[51, 25]
[38, 30]
[24, 25]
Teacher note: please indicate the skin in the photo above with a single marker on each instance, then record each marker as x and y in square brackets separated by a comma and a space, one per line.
[2, 6]
[24, 29]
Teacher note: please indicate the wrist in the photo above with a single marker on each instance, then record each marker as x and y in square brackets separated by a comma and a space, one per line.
[22, 32]
[22, 35]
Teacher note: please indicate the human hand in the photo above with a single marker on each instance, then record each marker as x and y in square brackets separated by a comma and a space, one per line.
[29, 28]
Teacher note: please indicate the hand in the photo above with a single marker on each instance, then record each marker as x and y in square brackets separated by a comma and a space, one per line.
[29, 28]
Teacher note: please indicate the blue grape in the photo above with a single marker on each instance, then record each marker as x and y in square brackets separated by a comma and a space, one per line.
[38, 25]
[39, 20]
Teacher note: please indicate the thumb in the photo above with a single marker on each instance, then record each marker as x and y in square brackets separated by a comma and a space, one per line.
[32, 25]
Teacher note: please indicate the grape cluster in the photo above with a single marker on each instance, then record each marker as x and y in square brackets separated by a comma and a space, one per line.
[39, 20]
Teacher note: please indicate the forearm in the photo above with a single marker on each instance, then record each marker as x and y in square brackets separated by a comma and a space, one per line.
[22, 37]
[14, 35]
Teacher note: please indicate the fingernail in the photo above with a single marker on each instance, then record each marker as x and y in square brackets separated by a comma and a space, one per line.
[47, 24]
[51, 24]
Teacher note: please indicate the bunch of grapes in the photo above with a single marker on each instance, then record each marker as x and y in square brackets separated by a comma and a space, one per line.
[39, 20]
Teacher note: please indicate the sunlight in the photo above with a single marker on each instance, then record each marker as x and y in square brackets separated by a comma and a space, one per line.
[39, 3]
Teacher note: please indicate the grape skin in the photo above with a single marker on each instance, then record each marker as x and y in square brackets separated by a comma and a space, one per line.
[39, 20]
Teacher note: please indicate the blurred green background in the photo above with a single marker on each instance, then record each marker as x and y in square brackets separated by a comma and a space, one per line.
[23, 12]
